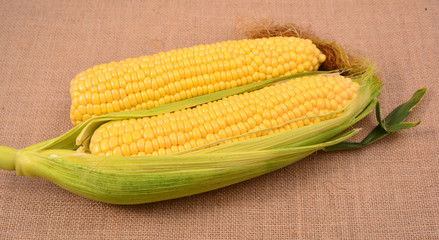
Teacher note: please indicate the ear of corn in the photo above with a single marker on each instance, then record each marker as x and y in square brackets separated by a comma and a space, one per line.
[277, 108]
[150, 81]
[66, 160]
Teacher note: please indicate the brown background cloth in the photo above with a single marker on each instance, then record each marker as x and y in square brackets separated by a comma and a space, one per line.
[389, 190]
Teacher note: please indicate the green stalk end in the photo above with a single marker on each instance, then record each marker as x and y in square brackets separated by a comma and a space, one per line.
[7, 158]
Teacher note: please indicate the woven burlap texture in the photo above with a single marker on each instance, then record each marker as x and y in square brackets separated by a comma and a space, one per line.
[389, 190]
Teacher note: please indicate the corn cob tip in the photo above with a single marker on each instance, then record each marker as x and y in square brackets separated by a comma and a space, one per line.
[333, 56]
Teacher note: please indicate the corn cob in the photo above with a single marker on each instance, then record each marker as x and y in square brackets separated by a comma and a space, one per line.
[238, 117]
[68, 162]
[150, 81]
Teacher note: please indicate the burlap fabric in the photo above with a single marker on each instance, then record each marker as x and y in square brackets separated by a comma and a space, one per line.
[389, 190]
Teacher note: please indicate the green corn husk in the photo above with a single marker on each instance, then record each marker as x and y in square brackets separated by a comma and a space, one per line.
[134, 180]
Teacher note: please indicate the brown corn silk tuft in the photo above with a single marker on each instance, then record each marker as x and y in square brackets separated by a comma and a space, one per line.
[336, 57]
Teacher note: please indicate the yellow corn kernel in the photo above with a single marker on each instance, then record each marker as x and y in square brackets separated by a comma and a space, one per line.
[146, 82]
[239, 117]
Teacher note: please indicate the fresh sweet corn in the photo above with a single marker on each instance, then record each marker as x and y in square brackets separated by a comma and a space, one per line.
[208, 142]
[149, 81]
[278, 108]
